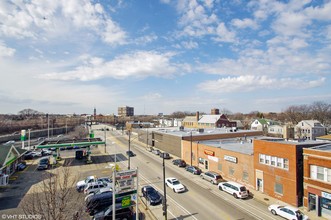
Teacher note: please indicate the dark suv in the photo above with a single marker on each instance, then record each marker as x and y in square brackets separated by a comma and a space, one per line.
[193, 169]
[179, 162]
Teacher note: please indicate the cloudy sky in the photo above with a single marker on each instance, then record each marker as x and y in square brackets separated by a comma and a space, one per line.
[162, 56]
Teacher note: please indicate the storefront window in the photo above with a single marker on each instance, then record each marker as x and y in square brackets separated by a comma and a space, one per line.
[201, 160]
[279, 188]
[326, 203]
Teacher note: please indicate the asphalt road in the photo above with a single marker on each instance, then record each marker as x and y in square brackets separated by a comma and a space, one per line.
[202, 200]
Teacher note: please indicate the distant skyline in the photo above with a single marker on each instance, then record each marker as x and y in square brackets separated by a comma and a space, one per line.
[162, 56]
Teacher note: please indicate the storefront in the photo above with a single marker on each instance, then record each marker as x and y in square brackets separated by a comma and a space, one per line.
[319, 202]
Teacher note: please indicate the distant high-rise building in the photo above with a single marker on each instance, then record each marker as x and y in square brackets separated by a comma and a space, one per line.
[125, 111]
[95, 112]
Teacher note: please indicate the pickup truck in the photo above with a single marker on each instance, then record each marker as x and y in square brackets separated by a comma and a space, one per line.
[90, 179]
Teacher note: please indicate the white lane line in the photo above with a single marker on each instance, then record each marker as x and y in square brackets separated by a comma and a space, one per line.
[177, 204]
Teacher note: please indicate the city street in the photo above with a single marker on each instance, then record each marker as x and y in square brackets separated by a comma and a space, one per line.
[202, 200]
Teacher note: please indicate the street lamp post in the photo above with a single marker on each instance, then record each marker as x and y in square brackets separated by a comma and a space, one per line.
[191, 148]
[29, 130]
[129, 151]
[164, 202]
[105, 140]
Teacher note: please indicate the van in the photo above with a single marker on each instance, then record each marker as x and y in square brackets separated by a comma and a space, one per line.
[233, 188]
[212, 177]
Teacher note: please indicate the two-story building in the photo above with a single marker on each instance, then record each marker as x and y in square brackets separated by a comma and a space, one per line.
[317, 180]
[309, 129]
[262, 124]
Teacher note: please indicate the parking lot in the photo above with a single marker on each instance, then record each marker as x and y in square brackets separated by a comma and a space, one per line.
[22, 182]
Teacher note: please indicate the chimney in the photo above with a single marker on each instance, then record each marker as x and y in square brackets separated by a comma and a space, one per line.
[197, 116]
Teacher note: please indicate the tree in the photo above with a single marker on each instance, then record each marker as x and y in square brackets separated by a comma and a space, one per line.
[321, 111]
[79, 132]
[55, 197]
[27, 113]
[295, 114]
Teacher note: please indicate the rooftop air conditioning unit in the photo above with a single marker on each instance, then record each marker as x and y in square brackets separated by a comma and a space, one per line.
[201, 130]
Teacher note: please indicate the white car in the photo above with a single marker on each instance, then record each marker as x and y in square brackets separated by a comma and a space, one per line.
[82, 184]
[96, 186]
[287, 212]
[175, 185]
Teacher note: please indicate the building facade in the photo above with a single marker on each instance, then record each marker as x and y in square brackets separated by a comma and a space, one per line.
[232, 158]
[317, 180]
[125, 111]
[279, 169]
[309, 129]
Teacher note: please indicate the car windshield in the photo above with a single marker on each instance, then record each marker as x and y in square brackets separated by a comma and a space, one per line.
[298, 212]
[176, 182]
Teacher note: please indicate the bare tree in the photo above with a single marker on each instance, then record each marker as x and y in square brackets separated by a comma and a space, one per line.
[321, 111]
[27, 113]
[79, 132]
[54, 198]
[295, 114]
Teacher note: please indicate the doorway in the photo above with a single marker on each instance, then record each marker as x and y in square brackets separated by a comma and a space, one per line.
[311, 202]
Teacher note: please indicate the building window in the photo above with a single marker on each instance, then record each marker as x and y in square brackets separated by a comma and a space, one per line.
[320, 173]
[279, 188]
[267, 159]
[231, 171]
[245, 176]
[280, 162]
[329, 176]
[273, 161]
[201, 160]
[286, 164]
[220, 167]
[262, 158]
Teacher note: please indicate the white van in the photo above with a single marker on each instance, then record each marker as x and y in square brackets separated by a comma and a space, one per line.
[235, 189]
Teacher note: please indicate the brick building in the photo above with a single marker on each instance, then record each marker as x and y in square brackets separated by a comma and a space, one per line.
[279, 168]
[317, 180]
[231, 157]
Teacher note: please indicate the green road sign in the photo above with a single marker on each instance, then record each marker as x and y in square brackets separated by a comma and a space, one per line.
[126, 201]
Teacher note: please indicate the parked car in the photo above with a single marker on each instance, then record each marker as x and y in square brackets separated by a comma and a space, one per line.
[157, 152]
[120, 213]
[212, 177]
[233, 188]
[194, 169]
[21, 166]
[76, 147]
[130, 153]
[179, 162]
[152, 196]
[80, 185]
[100, 191]
[165, 155]
[175, 185]
[43, 164]
[45, 152]
[99, 202]
[287, 212]
[95, 186]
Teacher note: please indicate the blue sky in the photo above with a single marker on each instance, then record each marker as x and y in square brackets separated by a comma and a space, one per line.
[162, 56]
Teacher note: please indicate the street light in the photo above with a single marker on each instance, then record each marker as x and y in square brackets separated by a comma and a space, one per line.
[164, 202]
[191, 147]
[105, 140]
[129, 151]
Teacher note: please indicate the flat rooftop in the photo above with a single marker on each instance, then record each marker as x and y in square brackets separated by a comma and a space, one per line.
[324, 147]
[186, 132]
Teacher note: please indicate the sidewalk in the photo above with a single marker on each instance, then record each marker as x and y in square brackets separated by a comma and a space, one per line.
[268, 200]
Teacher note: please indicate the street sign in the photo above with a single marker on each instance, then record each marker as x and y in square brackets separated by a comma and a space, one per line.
[126, 201]
[126, 174]
[127, 193]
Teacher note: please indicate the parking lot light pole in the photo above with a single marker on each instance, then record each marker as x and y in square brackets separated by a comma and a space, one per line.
[105, 140]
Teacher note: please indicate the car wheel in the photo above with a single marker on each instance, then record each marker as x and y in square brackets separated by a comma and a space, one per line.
[235, 196]
[273, 212]
[220, 188]
[174, 190]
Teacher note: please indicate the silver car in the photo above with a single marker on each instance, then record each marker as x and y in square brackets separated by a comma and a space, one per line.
[212, 177]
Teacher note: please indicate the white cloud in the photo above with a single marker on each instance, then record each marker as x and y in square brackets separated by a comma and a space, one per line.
[250, 83]
[150, 97]
[244, 23]
[224, 35]
[6, 51]
[52, 19]
[190, 44]
[139, 64]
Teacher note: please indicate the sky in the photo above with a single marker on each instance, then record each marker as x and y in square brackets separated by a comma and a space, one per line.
[163, 56]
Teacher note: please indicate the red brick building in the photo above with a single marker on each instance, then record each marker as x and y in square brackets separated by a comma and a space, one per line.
[279, 169]
[317, 180]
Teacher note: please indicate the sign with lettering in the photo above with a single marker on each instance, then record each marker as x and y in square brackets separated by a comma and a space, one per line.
[126, 174]
[209, 152]
[326, 195]
[230, 159]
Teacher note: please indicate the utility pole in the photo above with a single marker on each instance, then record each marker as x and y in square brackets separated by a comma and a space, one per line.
[47, 125]
[129, 151]
[191, 147]
[164, 203]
